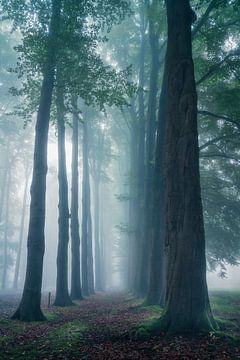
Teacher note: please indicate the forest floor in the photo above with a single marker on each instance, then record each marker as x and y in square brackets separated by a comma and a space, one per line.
[100, 328]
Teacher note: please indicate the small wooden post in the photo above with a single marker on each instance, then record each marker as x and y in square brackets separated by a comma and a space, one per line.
[49, 299]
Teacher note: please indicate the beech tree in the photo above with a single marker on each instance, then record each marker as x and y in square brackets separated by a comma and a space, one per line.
[187, 306]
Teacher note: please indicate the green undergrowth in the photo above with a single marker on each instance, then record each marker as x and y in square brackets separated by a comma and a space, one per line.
[57, 341]
[226, 309]
[225, 302]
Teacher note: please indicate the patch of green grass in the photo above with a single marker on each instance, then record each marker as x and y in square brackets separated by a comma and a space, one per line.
[225, 302]
[62, 340]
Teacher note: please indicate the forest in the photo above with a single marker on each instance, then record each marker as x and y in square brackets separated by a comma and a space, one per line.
[119, 179]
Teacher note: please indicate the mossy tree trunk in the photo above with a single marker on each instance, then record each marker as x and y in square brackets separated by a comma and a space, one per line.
[187, 307]
[30, 305]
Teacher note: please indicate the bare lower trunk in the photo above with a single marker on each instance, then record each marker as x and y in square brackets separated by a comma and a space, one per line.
[30, 306]
[75, 278]
[187, 304]
[62, 294]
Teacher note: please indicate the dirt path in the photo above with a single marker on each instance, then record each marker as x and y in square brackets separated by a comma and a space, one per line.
[100, 328]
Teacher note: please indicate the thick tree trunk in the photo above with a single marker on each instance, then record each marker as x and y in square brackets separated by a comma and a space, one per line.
[5, 235]
[23, 215]
[187, 304]
[30, 306]
[62, 294]
[76, 293]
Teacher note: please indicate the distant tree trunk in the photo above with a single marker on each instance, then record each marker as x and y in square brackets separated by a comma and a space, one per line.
[62, 294]
[4, 182]
[90, 251]
[187, 304]
[23, 215]
[133, 243]
[5, 235]
[30, 306]
[98, 275]
[157, 283]
[85, 215]
[75, 237]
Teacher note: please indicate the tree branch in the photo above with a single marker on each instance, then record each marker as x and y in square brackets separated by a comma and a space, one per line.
[217, 139]
[220, 117]
[214, 68]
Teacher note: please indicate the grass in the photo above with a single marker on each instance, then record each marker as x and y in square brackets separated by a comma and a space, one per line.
[62, 339]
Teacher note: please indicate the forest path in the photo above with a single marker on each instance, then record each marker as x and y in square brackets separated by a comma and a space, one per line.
[99, 328]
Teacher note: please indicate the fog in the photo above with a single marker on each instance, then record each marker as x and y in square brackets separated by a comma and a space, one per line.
[120, 154]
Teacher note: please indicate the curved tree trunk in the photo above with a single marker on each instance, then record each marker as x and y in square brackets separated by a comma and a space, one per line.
[30, 306]
[187, 304]
[62, 294]
[76, 293]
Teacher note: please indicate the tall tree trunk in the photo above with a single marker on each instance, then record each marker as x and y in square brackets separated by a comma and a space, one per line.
[75, 278]
[187, 304]
[5, 235]
[133, 243]
[62, 294]
[157, 283]
[30, 306]
[85, 214]
[23, 215]
[98, 275]
[141, 282]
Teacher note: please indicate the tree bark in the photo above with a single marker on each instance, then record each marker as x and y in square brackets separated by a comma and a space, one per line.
[76, 292]
[23, 215]
[62, 294]
[30, 305]
[187, 307]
